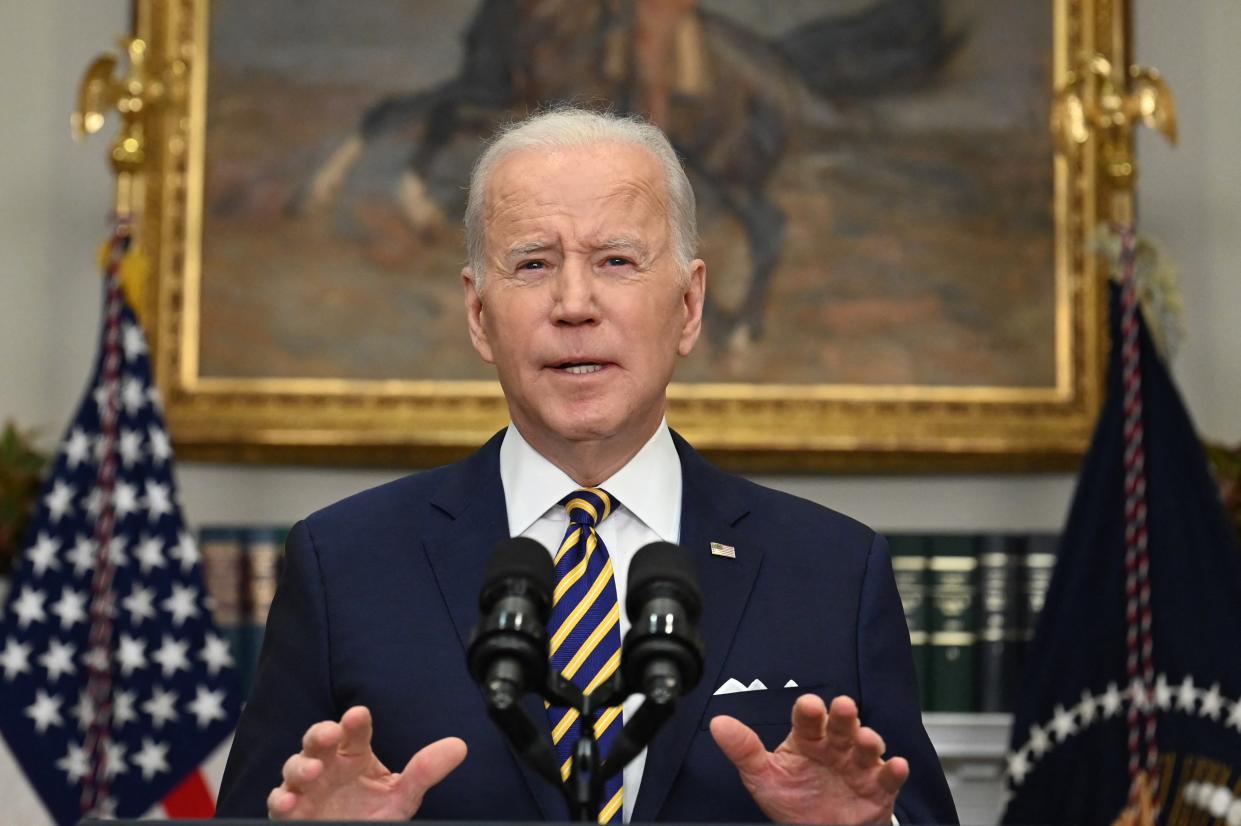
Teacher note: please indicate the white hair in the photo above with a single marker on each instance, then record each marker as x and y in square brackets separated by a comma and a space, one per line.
[573, 128]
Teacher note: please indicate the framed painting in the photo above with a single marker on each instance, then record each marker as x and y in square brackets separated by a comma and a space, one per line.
[900, 269]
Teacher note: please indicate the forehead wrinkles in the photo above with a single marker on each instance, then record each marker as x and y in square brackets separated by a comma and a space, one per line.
[534, 200]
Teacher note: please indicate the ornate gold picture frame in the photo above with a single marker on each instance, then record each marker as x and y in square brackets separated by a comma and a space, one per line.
[758, 425]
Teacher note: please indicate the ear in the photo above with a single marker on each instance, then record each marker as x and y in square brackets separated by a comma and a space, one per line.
[695, 293]
[474, 316]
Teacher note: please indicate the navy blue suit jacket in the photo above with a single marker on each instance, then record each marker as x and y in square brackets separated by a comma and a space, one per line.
[379, 594]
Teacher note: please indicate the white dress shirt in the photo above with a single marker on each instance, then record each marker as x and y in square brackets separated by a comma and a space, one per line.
[648, 490]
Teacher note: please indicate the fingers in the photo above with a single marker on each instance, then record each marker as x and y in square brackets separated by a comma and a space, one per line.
[842, 724]
[357, 726]
[280, 803]
[809, 717]
[739, 743]
[300, 770]
[868, 748]
[431, 765]
[321, 739]
[893, 774]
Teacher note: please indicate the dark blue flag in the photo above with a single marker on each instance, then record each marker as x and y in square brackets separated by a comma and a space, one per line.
[114, 682]
[1106, 696]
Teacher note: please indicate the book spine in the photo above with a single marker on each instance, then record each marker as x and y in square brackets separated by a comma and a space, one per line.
[264, 550]
[1040, 561]
[1000, 636]
[223, 560]
[909, 565]
[953, 626]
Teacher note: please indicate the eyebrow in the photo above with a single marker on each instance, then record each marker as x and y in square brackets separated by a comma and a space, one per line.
[526, 248]
[623, 242]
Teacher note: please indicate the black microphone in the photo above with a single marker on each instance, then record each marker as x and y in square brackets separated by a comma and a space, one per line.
[663, 651]
[507, 653]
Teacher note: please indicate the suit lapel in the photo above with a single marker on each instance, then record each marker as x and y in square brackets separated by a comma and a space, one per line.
[477, 519]
[711, 509]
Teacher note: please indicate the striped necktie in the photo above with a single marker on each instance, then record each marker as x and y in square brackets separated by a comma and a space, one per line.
[585, 632]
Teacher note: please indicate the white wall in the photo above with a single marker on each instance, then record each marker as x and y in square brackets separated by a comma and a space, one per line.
[54, 196]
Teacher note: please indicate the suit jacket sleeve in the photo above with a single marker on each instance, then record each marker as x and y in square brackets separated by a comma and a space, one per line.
[292, 689]
[888, 693]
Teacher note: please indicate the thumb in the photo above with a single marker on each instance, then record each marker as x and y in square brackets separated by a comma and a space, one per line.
[429, 766]
[739, 743]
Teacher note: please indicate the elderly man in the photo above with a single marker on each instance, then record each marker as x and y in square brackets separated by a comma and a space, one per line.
[583, 290]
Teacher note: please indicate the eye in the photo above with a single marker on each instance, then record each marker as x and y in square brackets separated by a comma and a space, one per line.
[532, 265]
[617, 261]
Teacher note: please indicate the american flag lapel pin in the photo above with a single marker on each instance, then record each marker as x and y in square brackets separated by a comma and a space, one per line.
[720, 549]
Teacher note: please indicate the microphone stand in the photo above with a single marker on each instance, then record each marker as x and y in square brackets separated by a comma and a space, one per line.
[588, 770]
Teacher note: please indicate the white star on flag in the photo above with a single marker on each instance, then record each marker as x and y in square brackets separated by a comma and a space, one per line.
[215, 654]
[59, 500]
[1212, 703]
[75, 763]
[1234, 718]
[1186, 695]
[171, 656]
[123, 709]
[185, 551]
[160, 446]
[1063, 724]
[116, 760]
[162, 707]
[133, 342]
[149, 553]
[45, 711]
[15, 659]
[140, 604]
[158, 500]
[124, 500]
[207, 705]
[130, 447]
[181, 604]
[84, 710]
[29, 607]
[152, 758]
[42, 554]
[58, 660]
[70, 608]
[82, 555]
[1111, 701]
[131, 654]
[77, 448]
[133, 396]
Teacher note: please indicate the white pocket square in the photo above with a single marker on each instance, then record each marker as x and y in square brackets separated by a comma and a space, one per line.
[733, 685]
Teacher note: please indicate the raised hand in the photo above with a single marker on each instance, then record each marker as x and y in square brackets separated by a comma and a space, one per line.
[337, 776]
[830, 769]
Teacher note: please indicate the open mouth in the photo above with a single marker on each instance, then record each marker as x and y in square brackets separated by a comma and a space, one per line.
[579, 368]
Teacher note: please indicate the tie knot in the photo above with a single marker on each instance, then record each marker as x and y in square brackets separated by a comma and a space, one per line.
[588, 506]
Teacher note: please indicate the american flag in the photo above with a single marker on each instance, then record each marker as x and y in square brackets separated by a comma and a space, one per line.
[115, 684]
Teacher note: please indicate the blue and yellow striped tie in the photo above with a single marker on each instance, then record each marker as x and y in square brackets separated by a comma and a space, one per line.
[585, 632]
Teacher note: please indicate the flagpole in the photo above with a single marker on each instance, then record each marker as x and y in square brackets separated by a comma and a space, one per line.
[1097, 107]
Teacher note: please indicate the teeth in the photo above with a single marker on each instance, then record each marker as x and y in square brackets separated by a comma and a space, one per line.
[582, 369]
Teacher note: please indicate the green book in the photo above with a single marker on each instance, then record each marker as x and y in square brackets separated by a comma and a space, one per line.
[909, 565]
[1001, 641]
[953, 625]
[1040, 561]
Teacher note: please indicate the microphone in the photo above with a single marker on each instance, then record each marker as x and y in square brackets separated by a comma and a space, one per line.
[507, 653]
[663, 651]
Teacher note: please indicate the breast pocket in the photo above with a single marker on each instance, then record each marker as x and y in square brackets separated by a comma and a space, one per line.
[769, 707]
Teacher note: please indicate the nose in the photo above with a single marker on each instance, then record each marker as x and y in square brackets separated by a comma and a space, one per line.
[573, 294]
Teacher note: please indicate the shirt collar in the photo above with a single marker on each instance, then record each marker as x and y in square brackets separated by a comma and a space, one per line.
[648, 486]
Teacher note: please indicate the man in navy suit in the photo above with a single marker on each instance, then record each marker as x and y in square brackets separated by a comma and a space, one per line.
[583, 290]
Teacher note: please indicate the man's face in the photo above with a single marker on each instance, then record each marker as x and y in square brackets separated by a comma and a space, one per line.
[584, 308]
